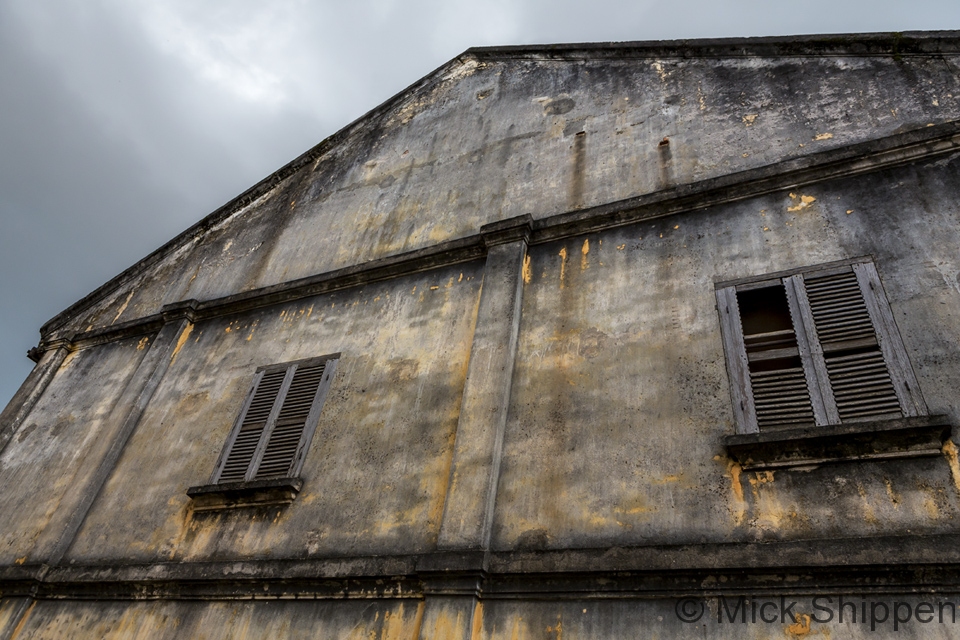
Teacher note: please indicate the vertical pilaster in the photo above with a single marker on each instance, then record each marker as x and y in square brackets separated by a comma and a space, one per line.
[32, 388]
[129, 407]
[17, 609]
[452, 606]
[468, 509]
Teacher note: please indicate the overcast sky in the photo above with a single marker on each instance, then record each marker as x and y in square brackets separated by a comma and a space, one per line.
[122, 122]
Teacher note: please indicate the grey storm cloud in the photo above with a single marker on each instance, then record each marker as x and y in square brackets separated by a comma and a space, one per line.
[124, 122]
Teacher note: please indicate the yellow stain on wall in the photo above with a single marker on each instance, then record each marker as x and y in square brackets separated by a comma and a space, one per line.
[950, 452]
[477, 632]
[182, 340]
[143, 343]
[801, 627]
[805, 201]
[584, 250]
[526, 269]
[734, 470]
[869, 514]
[563, 264]
[893, 495]
[23, 620]
[557, 630]
[123, 307]
[823, 136]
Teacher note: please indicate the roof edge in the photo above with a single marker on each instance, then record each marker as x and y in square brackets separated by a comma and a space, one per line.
[907, 43]
[245, 198]
[896, 44]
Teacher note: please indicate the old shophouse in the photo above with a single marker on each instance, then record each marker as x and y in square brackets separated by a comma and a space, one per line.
[580, 341]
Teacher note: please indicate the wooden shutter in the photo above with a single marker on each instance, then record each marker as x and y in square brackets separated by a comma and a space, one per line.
[738, 370]
[858, 374]
[273, 431]
[284, 438]
[778, 381]
[253, 422]
[838, 359]
[894, 354]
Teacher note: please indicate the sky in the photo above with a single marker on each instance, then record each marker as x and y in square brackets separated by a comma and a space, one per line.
[123, 122]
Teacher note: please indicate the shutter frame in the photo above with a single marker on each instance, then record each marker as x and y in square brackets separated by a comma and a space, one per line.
[818, 358]
[741, 392]
[891, 345]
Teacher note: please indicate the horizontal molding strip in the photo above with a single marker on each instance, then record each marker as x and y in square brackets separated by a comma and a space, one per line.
[924, 564]
[853, 45]
[852, 160]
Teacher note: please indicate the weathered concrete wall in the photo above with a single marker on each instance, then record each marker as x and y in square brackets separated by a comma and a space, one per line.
[58, 447]
[377, 471]
[501, 137]
[784, 615]
[354, 620]
[619, 401]
[620, 395]
[588, 618]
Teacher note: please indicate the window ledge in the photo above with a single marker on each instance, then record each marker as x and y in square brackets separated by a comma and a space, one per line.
[234, 495]
[811, 445]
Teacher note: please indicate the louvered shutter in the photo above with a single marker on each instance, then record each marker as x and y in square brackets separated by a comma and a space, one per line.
[856, 369]
[287, 432]
[253, 422]
[277, 421]
[838, 358]
[777, 380]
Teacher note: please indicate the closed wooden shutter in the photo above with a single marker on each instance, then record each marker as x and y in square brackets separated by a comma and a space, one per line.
[252, 425]
[287, 432]
[276, 423]
[859, 377]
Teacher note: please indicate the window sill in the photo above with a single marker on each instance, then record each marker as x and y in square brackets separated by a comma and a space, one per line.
[881, 439]
[235, 495]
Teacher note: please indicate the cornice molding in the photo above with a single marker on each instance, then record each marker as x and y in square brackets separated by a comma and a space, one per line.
[852, 160]
[927, 563]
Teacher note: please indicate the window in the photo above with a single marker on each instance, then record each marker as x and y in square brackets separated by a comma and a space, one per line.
[816, 346]
[266, 448]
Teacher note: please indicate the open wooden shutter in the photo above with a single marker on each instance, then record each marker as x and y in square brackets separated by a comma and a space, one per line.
[778, 381]
[284, 438]
[834, 357]
[856, 368]
[253, 422]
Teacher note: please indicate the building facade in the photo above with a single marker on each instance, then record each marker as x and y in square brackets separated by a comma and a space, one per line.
[583, 341]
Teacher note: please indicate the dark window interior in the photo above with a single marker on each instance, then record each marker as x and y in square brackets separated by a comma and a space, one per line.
[764, 310]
